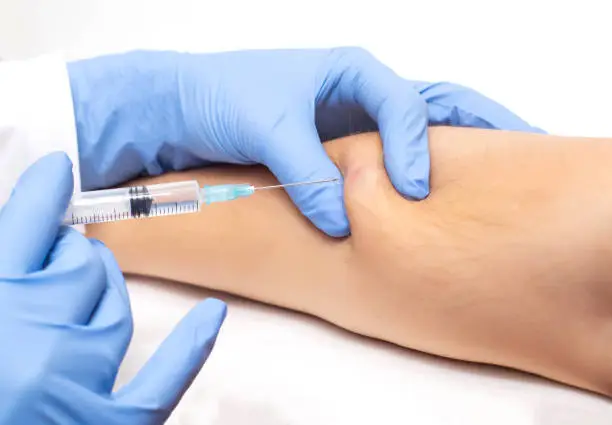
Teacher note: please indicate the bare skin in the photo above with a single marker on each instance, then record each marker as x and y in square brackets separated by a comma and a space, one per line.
[507, 262]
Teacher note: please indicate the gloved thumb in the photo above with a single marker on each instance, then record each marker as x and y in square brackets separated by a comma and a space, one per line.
[31, 219]
[369, 195]
[295, 154]
[161, 383]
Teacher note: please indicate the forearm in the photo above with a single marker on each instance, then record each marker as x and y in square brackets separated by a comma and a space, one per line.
[502, 264]
[249, 245]
[260, 247]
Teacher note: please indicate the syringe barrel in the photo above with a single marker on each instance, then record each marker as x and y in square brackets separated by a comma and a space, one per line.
[101, 206]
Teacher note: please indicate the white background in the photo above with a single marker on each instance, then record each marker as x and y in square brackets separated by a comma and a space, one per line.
[547, 61]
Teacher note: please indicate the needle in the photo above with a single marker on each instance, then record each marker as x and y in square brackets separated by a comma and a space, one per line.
[277, 186]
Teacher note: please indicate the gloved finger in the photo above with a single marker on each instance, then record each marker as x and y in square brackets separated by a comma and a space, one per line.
[294, 153]
[398, 109]
[111, 321]
[161, 383]
[30, 220]
[368, 193]
[113, 274]
[452, 104]
[73, 281]
[403, 127]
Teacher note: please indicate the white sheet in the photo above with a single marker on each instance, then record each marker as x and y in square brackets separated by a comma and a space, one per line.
[276, 367]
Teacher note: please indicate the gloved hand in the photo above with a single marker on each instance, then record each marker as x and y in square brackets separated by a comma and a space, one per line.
[149, 112]
[65, 320]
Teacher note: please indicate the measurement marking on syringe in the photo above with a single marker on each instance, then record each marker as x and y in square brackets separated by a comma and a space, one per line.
[174, 208]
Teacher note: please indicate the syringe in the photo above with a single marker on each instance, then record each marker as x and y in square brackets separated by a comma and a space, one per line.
[156, 200]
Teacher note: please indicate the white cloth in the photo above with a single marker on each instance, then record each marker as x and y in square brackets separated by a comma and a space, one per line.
[36, 117]
[275, 367]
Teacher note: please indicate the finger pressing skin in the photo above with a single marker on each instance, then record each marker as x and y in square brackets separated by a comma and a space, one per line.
[369, 196]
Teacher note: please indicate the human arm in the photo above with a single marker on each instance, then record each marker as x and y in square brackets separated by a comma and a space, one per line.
[507, 261]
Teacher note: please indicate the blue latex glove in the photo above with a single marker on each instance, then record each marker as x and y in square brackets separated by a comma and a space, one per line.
[65, 320]
[150, 112]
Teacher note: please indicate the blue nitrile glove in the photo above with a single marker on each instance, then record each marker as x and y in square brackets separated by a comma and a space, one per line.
[65, 320]
[150, 112]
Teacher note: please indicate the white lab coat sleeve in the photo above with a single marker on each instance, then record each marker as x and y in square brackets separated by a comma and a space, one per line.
[36, 117]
